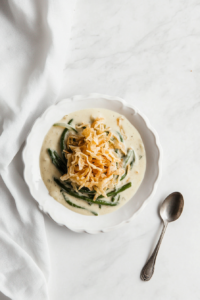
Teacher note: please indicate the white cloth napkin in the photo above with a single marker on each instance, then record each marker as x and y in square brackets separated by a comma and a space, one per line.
[34, 38]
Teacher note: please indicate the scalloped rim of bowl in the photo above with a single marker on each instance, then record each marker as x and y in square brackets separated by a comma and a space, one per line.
[78, 98]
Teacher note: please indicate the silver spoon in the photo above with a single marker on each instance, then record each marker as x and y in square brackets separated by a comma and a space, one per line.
[170, 211]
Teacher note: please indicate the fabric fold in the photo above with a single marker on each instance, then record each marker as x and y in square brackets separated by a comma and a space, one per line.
[33, 54]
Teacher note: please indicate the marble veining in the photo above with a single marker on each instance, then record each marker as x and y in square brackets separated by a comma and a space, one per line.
[146, 52]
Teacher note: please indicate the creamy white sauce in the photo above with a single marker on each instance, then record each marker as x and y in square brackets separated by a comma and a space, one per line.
[52, 140]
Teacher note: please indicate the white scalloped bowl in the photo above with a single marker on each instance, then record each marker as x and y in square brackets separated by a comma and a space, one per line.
[59, 213]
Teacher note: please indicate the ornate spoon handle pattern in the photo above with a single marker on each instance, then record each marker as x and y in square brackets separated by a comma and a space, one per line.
[148, 269]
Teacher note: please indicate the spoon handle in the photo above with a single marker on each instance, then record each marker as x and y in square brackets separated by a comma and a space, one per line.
[148, 269]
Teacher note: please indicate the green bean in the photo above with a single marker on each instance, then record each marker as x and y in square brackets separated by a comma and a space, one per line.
[125, 173]
[120, 137]
[66, 126]
[116, 197]
[70, 121]
[115, 192]
[126, 160]
[117, 151]
[110, 194]
[77, 206]
[60, 162]
[133, 160]
[83, 190]
[122, 188]
[127, 157]
[57, 161]
[113, 198]
[62, 141]
[76, 195]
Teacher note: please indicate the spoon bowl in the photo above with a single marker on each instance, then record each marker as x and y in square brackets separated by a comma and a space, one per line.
[172, 207]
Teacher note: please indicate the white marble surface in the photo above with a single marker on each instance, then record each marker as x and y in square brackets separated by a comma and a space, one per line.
[148, 53]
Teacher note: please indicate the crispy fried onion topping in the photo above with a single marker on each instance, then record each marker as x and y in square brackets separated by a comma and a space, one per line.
[91, 159]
